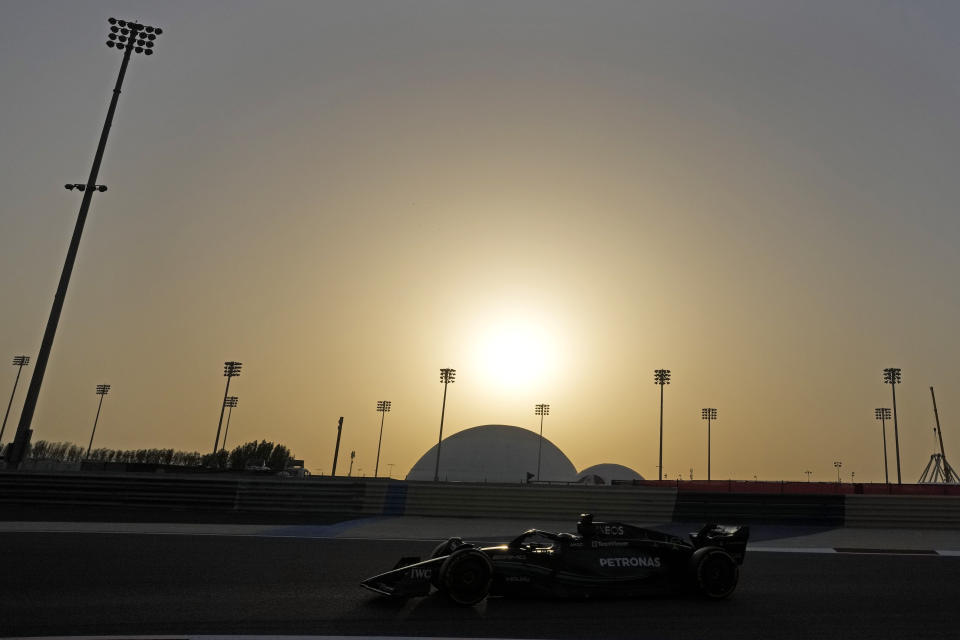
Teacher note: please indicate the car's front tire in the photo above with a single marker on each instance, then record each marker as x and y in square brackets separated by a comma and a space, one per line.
[445, 548]
[715, 573]
[466, 575]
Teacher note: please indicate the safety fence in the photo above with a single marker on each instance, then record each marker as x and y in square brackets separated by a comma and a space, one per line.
[771, 508]
[639, 504]
[806, 488]
[161, 496]
[926, 512]
[166, 493]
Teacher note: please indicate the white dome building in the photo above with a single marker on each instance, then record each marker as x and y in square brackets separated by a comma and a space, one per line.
[607, 473]
[494, 453]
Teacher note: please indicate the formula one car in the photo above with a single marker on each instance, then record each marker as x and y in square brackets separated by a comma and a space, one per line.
[603, 559]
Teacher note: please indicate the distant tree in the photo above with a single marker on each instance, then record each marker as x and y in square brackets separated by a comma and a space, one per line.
[275, 456]
[55, 451]
[39, 449]
[264, 449]
[243, 453]
[216, 460]
[279, 458]
[185, 458]
[101, 455]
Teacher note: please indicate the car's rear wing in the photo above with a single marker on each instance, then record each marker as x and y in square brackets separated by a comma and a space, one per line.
[733, 540]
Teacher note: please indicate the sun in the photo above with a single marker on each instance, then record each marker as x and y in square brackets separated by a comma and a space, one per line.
[516, 354]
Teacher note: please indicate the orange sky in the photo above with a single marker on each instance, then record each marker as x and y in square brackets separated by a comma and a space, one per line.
[553, 198]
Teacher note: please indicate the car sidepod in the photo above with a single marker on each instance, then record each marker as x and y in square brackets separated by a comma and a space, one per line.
[522, 571]
[622, 567]
[590, 568]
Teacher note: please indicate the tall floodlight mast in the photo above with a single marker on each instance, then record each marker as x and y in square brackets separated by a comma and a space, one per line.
[231, 402]
[838, 464]
[128, 38]
[19, 362]
[540, 410]
[336, 450]
[708, 414]
[891, 376]
[231, 369]
[102, 390]
[447, 376]
[383, 406]
[661, 377]
[883, 414]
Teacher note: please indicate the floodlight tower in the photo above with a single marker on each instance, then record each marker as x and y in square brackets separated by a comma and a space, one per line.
[336, 450]
[883, 414]
[540, 410]
[661, 377]
[383, 406]
[102, 390]
[229, 401]
[708, 414]
[82, 187]
[19, 362]
[891, 376]
[231, 369]
[126, 37]
[447, 376]
[838, 464]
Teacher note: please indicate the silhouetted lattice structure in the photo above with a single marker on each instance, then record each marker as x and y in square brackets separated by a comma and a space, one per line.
[939, 471]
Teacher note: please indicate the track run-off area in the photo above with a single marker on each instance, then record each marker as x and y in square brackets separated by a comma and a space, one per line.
[101, 578]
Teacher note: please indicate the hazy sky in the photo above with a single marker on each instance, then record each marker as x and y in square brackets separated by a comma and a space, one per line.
[554, 198]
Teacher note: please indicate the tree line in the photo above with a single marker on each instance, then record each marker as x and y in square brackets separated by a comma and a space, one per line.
[264, 453]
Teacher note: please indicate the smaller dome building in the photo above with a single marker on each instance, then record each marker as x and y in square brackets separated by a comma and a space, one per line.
[607, 473]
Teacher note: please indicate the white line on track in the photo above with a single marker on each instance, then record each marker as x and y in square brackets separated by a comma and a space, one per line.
[855, 552]
[187, 636]
[793, 549]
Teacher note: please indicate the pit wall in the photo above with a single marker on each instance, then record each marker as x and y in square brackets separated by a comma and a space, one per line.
[160, 496]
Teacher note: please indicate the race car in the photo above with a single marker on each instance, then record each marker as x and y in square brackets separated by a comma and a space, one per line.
[603, 559]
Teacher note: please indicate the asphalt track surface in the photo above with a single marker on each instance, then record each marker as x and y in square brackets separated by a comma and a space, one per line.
[148, 584]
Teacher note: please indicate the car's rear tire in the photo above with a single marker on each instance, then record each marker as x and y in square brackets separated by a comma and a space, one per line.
[466, 575]
[715, 573]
